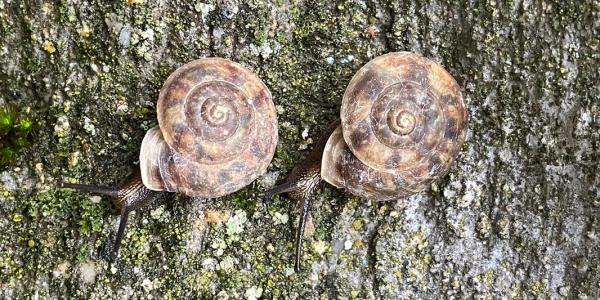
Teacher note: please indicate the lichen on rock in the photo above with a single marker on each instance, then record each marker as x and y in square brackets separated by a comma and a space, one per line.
[517, 216]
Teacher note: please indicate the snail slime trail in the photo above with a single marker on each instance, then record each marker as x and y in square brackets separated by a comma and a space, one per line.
[216, 133]
[402, 124]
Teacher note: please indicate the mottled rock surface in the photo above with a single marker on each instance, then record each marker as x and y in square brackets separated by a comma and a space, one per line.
[517, 217]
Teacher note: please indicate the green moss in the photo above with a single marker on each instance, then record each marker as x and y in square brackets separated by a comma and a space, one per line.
[8, 154]
[8, 117]
[243, 200]
[15, 128]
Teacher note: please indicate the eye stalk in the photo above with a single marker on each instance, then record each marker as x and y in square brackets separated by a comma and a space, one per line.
[301, 184]
[127, 197]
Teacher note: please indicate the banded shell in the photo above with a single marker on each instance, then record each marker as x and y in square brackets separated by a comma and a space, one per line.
[216, 133]
[403, 122]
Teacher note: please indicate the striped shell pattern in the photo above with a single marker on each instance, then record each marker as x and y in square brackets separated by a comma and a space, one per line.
[216, 133]
[403, 122]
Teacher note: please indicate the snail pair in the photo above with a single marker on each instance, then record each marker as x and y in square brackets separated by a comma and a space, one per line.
[402, 124]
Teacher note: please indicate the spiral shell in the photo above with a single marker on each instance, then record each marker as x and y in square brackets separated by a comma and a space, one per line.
[218, 130]
[403, 122]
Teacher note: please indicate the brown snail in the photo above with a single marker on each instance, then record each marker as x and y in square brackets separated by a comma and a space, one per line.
[216, 133]
[403, 122]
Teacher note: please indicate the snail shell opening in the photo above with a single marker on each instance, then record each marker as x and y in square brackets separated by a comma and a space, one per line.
[342, 169]
[404, 117]
[218, 130]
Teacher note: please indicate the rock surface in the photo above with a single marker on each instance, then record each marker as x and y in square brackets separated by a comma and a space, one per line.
[517, 217]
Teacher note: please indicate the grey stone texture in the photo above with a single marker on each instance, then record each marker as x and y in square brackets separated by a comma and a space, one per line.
[518, 216]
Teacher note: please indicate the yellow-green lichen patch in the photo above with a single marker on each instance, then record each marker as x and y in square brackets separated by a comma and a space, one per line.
[49, 46]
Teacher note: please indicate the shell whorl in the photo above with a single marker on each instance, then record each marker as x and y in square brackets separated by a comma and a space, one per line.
[218, 130]
[403, 123]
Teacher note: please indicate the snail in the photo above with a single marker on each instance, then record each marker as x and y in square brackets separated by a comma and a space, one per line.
[216, 133]
[402, 124]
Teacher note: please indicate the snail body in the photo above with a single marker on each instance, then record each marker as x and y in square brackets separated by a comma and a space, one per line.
[402, 124]
[216, 133]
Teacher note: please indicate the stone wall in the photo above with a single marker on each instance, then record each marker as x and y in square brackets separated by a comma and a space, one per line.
[517, 217]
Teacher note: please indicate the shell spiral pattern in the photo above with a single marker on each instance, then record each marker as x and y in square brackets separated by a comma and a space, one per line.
[403, 121]
[218, 125]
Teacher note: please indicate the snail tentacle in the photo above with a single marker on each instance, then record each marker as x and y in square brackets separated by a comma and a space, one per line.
[127, 197]
[141, 198]
[120, 232]
[300, 232]
[104, 190]
[279, 189]
[301, 183]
